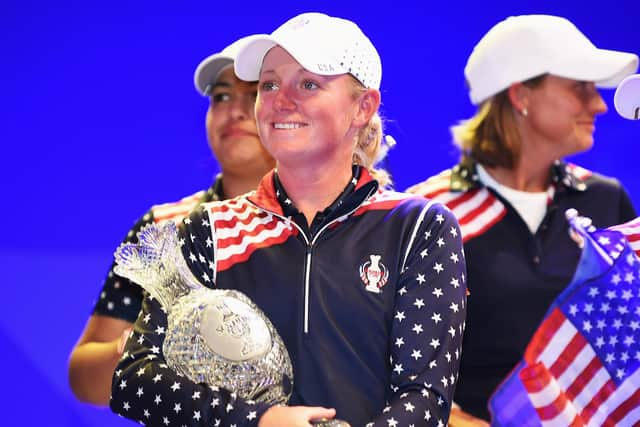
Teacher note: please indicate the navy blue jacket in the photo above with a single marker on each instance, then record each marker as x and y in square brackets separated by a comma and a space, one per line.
[381, 345]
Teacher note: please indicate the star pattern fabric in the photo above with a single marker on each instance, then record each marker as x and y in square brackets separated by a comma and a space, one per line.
[427, 329]
[153, 394]
[393, 359]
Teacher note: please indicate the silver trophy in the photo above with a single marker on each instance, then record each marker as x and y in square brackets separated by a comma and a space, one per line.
[219, 337]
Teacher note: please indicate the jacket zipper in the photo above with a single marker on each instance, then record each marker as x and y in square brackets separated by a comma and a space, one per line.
[307, 261]
[307, 270]
[308, 251]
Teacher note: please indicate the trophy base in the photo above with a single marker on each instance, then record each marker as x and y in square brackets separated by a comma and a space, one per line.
[330, 423]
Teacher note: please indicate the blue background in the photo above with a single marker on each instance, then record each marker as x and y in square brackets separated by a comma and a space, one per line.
[99, 119]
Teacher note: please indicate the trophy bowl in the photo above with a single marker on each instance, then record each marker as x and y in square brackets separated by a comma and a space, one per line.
[220, 337]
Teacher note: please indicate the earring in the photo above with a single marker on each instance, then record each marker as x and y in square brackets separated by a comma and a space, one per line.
[524, 112]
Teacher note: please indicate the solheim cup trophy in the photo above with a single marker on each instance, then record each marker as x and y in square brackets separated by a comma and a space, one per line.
[216, 336]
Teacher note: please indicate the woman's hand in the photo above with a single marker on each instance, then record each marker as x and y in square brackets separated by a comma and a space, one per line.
[459, 418]
[294, 416]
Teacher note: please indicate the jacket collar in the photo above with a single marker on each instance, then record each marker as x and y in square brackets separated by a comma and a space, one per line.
[464, 176]
[266, 198]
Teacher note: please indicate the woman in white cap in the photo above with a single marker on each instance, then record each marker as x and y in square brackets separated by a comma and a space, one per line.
[365, 286]
[233, 139]
[534, 80]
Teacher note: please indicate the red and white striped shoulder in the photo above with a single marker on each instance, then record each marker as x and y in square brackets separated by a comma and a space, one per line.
[176, 211]
[433, 186]
[477, 209]
[240, 228]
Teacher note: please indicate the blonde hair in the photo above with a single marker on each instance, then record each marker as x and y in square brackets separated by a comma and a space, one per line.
[491, 136]
[370, 148]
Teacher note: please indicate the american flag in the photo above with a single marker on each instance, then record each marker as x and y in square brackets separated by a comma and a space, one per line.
[631, 230]
[581, 366]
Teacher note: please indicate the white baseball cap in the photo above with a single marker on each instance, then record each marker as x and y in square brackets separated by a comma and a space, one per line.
[209, 69]
[522, 47]
[322, 44]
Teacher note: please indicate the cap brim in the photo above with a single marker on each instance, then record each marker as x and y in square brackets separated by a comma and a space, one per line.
[208, 70]
[250, 56]
[249, 59]
[607, 68]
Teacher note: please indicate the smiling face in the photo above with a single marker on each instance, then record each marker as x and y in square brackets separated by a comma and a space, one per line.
[231, 127]
[562, 114]
[305, 117]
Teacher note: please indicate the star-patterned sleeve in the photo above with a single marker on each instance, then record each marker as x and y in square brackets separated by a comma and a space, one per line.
[148, 391]
[120, 297]
[426, 338]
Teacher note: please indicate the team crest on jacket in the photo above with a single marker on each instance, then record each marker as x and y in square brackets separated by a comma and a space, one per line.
[374, 274]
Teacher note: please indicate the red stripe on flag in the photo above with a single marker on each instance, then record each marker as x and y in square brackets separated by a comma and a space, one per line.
[634, 223]
[577, 422]
[583, 379]
[621, 411]
[633, 237]
[543, 335]
[602, 395]
[568, 355]
[553, 409]
[535, 377]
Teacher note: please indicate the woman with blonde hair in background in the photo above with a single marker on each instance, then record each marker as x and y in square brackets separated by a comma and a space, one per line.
[534, 80]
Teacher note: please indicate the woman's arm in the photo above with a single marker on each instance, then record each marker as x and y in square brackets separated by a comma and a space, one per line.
[146, 389]
[96, 354]
[430, 312]
[94, 358]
